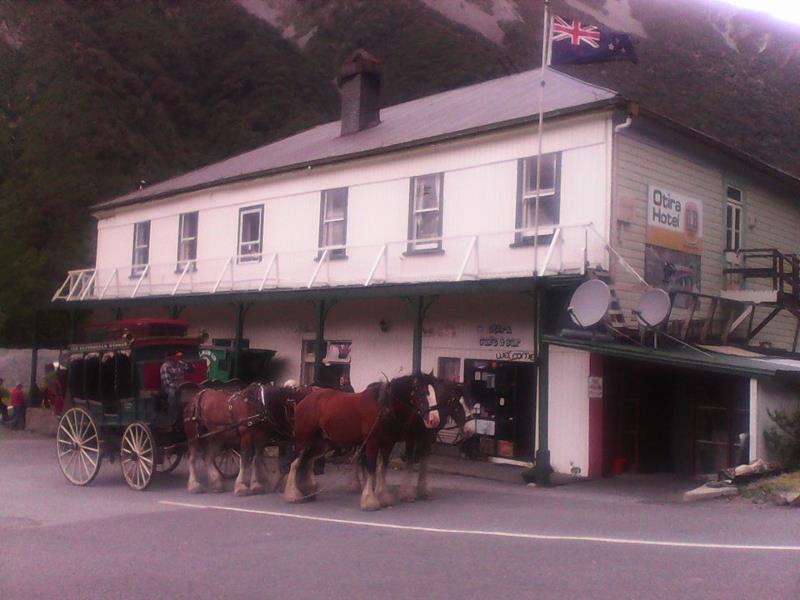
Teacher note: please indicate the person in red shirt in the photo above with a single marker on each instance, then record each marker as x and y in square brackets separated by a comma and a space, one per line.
[18, 403]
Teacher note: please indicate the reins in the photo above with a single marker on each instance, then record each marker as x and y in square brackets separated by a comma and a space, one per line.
[249, 422]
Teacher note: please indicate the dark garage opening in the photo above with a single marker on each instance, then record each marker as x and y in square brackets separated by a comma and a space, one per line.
[661, 419]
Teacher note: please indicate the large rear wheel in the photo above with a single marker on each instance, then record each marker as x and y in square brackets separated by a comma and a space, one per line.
[170, 459]
[78, 446]
[227, 462]
[137, 455]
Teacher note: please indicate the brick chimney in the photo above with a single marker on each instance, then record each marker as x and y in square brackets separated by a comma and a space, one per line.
[359, 84]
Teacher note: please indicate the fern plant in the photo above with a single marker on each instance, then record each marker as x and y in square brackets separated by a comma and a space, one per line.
[783, 441]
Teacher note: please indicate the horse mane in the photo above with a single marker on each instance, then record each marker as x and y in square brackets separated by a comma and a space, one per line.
[382, 390]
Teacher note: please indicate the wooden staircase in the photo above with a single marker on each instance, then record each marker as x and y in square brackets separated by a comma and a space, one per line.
[781, 272]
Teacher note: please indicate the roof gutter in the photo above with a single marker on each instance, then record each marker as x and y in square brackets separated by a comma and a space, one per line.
[717, 364]
[493, 127]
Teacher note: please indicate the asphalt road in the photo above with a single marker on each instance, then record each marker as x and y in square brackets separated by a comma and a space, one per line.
[475, 538]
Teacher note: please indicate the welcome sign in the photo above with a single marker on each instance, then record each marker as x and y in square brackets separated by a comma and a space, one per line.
[674, 221]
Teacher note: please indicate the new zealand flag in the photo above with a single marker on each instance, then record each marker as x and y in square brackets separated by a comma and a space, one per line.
[573, 42]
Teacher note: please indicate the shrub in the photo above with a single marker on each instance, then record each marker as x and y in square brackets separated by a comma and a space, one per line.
[783, 441]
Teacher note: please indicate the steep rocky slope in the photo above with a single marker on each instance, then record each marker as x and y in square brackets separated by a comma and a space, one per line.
[98, 97]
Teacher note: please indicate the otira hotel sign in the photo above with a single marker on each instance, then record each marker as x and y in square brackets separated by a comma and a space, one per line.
[674, 221]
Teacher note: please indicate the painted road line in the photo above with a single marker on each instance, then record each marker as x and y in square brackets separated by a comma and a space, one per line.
[502, 534]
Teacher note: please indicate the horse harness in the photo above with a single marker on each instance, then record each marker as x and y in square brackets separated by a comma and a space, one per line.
[204, 427]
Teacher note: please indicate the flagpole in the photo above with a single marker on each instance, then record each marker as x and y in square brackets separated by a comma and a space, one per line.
[545, 43]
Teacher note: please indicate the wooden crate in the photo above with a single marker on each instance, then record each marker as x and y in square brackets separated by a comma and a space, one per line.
[505, 448]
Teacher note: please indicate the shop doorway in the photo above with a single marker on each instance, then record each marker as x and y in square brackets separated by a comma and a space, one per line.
[336, 363]
[660, 419]
[506, 392]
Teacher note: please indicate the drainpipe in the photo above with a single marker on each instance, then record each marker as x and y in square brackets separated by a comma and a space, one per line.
[624, 125]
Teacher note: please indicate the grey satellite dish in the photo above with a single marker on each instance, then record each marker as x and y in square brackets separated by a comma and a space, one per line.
[589, 303]
[653, 308]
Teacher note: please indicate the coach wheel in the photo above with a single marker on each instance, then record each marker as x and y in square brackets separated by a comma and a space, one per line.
[137, 455]
[78, 446]
[227, 462]
[170, 459]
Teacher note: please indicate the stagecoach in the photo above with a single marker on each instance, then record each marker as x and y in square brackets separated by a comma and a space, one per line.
[119, 411]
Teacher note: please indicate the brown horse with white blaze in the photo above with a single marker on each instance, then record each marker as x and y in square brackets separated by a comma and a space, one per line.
[372, 420]
[454, 403]
[449, 402]
[247, 420]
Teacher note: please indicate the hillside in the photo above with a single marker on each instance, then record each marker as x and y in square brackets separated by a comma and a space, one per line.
[98, 97]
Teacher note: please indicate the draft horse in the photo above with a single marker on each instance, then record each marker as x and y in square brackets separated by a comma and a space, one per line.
[454, 402]
[371, 420]
[246, 420]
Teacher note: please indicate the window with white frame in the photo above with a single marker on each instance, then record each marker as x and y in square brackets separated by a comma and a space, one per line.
[548, 215]
[141, 248]
[187, 240]
[425, 213]
[333, 221]
[733, 218]
[251, 221]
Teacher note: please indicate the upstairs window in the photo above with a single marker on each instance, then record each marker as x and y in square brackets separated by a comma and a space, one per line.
[549, 198]
[333, 221]
[425, 213]
[187, 240]
[141, 248]
[733, 219]
[251, 221]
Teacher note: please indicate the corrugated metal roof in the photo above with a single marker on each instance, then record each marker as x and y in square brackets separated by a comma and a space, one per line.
[490, 104]
[680, 357]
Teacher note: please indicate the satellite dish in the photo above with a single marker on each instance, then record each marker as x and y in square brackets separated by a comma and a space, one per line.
[589, 303]
[653, 308]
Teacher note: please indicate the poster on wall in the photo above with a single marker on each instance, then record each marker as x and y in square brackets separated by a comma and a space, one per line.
[672, 271]
[674, 221]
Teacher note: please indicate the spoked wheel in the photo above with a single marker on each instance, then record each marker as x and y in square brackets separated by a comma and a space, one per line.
[227, 461]
[137, 455]
[78, 446]
[170, 459]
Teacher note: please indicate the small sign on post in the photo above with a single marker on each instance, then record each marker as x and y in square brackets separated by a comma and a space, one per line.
[595, 386]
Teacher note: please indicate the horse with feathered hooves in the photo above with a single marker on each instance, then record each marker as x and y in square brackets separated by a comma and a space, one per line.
[372, 420]
[451, 408]
[454, 406]
[247, 420]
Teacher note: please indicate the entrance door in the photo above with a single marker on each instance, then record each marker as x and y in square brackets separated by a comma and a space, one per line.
[506, 392]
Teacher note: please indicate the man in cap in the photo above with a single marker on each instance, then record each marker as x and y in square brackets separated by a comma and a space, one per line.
[173, 374]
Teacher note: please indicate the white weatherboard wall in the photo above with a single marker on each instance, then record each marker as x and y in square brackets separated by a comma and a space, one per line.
[771, 217]
[772, 220]
[568, 422]
[642, 162]
[480, 184]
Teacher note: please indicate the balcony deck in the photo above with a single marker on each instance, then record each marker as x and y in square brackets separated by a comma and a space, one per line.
[569, 250]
